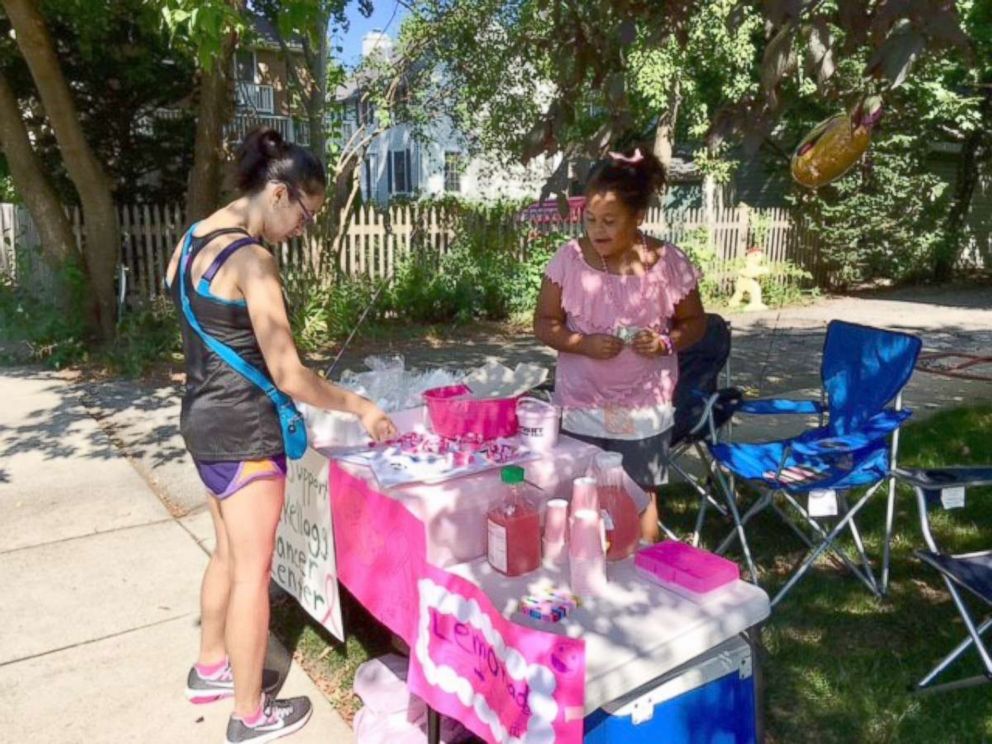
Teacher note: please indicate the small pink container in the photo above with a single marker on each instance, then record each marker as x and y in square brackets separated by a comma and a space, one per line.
[538, 424]
[685, 570]
[454, 413]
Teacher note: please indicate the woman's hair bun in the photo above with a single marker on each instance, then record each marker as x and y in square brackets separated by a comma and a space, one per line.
[269, 142]
[633, 175]
[265, 156]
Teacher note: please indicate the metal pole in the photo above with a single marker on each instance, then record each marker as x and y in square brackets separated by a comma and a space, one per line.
[337, 358]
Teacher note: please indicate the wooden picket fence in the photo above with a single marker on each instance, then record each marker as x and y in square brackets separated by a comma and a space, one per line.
[377, 241]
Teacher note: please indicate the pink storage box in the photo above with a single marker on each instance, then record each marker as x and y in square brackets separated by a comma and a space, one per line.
[453, 413]
[685, 570]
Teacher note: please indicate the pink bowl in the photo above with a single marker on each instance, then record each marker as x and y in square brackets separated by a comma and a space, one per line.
[454, 414]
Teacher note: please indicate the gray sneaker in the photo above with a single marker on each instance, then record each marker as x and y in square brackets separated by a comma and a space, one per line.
[200, 689]
[280, 718]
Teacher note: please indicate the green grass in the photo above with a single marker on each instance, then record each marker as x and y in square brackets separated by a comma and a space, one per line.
[837, 662]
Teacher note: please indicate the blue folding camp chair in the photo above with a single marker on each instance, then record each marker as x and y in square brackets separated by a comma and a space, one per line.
[946, 488]
[863, 370]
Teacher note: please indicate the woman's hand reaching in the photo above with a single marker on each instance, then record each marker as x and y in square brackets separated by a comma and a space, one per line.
[379, 426]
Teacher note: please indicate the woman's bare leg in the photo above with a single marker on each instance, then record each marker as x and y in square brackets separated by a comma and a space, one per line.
[215, 592]
[251, 516]
[650, 531]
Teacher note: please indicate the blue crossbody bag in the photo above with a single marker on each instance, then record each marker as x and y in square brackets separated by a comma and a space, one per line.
[294, 430]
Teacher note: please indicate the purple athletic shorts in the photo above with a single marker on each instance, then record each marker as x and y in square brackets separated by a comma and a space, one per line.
[224, 477]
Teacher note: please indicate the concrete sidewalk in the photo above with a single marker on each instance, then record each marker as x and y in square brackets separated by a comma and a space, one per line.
[100, 603]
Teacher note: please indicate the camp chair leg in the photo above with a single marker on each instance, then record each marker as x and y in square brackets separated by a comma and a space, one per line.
[699, 522]
[763, 502]
[976, 637]
[890, 507]
[827, 542]
[738, 532]
[703, 497]
[710, 480]
[860, 545]
[924, 684]
[834, 549]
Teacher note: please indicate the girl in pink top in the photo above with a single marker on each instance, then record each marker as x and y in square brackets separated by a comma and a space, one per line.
[618, 306]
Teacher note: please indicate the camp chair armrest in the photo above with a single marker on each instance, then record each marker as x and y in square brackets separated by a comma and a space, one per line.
[877, 427]
[770, 406]
[937, 478]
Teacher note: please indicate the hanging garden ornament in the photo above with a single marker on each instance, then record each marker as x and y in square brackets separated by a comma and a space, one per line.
[836, 144]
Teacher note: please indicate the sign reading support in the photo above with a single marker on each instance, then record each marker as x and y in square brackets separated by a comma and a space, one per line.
[304, 563]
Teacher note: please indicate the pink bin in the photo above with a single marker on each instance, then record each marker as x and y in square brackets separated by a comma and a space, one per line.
[685, 570]
[454, 413]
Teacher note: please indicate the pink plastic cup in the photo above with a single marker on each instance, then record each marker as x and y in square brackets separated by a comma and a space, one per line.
[555, 533]
[586, 538]
[586, 557]
[556, 521]
[584, 495]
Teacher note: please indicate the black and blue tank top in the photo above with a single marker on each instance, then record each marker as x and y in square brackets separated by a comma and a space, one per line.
[224, 415]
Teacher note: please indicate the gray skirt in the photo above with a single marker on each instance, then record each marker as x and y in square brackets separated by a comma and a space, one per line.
[645, 460]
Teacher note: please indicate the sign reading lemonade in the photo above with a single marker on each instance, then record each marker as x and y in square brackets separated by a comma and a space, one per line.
[304, 563]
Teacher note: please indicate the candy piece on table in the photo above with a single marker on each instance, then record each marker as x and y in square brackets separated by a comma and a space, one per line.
[547, 609]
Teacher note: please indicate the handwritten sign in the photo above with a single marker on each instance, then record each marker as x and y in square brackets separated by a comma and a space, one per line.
[507, 683]
[304, 563]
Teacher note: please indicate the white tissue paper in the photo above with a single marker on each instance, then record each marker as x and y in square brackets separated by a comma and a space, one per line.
[391, 714]
[493, 380]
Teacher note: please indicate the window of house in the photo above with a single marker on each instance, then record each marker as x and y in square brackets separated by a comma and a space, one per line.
[371, 175]
[364, 111]
[400, 172]
[245, 66]
[453, 171]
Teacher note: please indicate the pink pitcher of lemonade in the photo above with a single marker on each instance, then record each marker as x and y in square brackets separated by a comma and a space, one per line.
[619, 512]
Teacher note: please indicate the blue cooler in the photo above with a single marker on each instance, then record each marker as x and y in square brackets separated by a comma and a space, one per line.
[709, 700]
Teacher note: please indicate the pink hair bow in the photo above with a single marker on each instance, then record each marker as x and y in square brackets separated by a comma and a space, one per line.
[634, 159]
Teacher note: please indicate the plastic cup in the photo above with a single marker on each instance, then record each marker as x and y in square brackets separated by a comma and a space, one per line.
[586, 557]
[556, 521]
[584, 495]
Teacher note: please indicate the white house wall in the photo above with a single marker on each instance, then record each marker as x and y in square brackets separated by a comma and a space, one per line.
[480, 180]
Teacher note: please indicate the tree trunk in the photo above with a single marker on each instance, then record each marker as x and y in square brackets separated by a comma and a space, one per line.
[318, 100]
[102, 233]
[58, 245]
[664, 135]
[312, 89]
[975, 149]
[214, 108]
